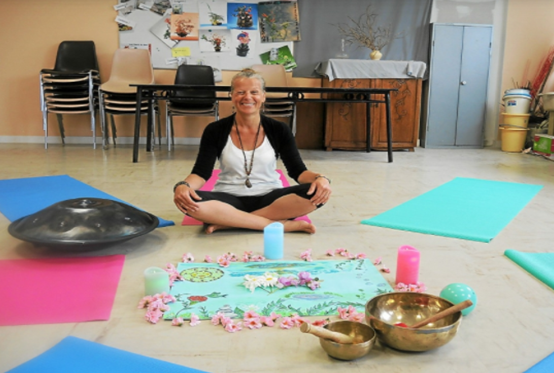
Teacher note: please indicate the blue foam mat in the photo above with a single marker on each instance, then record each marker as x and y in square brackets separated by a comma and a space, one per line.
[25, 196]
[78, 355]
[471, 209]
[546, 365]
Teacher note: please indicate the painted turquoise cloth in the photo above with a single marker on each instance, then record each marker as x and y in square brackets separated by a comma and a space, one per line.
[25, 196]
[208, 288]
[540, 265]
[470, 209]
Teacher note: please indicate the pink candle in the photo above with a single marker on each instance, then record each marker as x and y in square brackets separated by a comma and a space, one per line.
[407, 266]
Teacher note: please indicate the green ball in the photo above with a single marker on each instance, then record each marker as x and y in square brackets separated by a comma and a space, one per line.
[457, 293]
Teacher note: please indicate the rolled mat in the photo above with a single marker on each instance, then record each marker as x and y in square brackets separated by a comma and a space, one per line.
[540, 265]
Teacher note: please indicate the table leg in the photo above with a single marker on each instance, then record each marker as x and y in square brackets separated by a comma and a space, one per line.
[389, 126]
[149, 123]
[368, 125]
[137, 126]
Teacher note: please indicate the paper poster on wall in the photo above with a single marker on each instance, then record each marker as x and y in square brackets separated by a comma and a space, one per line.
[279, 56]
[215, 41]
[243, 43]
[279, 21]
[143, 23]
[242, 16]
[213, 14]
[162, 30]
[184, 26]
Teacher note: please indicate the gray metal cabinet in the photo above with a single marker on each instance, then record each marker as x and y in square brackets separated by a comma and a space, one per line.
[454, 114]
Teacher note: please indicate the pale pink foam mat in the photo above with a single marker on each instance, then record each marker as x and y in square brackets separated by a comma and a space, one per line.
[209, 185]
[58, 290]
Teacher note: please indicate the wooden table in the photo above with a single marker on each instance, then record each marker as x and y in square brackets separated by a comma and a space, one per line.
[296, 94]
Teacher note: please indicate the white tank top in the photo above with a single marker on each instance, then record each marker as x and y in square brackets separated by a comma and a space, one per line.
[264, 177]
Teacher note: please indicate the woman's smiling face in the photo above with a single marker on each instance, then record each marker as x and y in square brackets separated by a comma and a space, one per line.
[248, 95]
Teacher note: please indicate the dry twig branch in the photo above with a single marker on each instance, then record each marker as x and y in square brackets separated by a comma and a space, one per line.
[364, 32]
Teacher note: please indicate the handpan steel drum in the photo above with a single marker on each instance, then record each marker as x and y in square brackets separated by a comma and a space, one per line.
[83, 221]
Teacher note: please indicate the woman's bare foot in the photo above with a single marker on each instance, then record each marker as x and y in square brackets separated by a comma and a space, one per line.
[211, 228]
[298, 226]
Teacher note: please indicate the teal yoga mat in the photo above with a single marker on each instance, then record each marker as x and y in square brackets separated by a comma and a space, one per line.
[540, 265]
[74, 354]
[470, 209]
[25, 196]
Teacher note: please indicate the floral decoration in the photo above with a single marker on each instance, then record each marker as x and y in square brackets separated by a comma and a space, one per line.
[271, 282]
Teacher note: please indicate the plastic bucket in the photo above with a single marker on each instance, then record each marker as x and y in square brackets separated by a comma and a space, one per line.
[519, 120]
[516, 104]
[513, 139]
[518, 91]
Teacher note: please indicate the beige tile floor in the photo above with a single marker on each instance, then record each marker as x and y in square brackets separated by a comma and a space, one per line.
[511, 328]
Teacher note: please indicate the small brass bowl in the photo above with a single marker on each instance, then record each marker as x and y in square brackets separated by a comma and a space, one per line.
[356, 330]
[385, 310]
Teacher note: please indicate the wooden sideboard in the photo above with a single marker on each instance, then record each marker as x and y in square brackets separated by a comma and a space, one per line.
[345, 124]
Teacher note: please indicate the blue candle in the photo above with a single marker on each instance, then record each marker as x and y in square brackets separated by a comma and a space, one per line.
[273, 241]
[156, 281]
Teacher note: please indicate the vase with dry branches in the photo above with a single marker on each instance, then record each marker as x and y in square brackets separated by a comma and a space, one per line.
[364, 32]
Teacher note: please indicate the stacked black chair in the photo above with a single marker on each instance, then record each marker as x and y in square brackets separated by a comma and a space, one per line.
[71, 86]
[191, 102]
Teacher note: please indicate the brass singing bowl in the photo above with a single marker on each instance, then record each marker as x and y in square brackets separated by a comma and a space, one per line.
[385, 310]
[356, 330]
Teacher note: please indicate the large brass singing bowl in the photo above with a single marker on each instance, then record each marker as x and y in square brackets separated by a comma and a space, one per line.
[356, 330]
[385, 310]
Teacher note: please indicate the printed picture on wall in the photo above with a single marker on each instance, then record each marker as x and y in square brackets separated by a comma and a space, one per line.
[160, 6]
[242, 16]
[127, 6]
[215, 40]
[162, 30]
[278, 21]
[184, 26]
[279, 56]
[213, 14]
[146, 46]
[243, 43]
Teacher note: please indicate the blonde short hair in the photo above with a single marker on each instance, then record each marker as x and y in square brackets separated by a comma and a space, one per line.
[247, 73]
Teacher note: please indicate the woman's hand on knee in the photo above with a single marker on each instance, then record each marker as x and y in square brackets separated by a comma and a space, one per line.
[321, 190]
[185, 199]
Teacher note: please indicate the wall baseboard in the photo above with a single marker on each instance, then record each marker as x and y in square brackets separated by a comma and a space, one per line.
[88, 140]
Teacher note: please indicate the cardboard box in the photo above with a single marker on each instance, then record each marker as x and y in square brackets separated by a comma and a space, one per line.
[544, 145]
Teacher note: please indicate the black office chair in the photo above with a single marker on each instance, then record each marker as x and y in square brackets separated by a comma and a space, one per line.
[71, 86]
[179, 103]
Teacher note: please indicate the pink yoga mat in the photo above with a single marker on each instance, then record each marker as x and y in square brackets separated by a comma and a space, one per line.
[209, 185]
[58, 290]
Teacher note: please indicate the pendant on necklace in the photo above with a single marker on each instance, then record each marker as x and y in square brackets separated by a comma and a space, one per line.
[248, 183]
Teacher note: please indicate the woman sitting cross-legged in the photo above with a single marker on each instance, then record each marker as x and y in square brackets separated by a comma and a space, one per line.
[249, 193]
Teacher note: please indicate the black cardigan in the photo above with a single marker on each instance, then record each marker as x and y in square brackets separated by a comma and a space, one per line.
[278, 133]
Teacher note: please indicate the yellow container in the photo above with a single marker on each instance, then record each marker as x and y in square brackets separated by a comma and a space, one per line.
[513, 139]
[520, 120]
